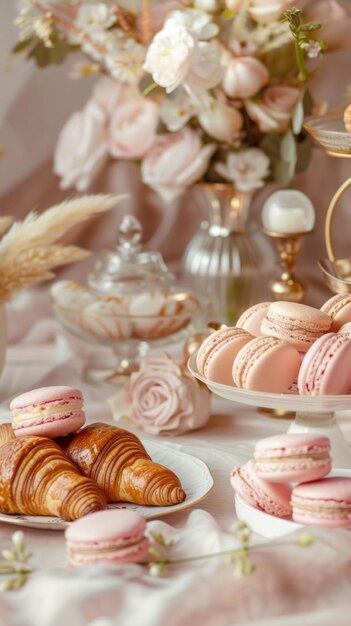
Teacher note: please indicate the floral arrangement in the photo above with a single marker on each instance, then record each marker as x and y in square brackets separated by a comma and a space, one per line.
[29, 252]
[162, 398]
[193, 90]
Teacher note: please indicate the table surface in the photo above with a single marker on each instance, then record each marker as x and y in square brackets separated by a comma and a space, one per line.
[227, 440]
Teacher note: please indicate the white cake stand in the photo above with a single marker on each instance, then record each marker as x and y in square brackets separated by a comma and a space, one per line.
[314, 414]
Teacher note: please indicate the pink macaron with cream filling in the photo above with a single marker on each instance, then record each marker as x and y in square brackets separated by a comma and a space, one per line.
[273, 498]
[48, 412]
[339, 309]
[325, 369]
[114, 536]
[216, 354]
[252, 318]
[297, 324]
[325, 502]
[266, 364]
[293, 457]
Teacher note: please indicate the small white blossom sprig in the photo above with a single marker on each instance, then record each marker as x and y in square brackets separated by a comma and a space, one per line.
[239, 557]
[16, 565]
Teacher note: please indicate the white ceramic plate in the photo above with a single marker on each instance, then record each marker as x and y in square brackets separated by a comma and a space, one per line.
[268, 525]
[289, 401]
[193, 473]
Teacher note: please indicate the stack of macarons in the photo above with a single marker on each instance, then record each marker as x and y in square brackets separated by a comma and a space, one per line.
[283, 347]
[287, 478]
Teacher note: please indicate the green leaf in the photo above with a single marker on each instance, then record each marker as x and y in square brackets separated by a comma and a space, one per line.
[307, 102]
[297, 118]
[282, 173]
[22, 45]
[310, 26]
[288, 148]
[304, 153]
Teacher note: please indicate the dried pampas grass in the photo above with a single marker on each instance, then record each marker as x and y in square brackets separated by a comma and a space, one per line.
[27, 253]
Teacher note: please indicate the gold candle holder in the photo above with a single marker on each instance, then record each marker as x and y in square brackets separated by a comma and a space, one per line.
[287, 286]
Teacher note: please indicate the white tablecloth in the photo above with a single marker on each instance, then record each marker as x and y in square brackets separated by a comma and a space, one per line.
[291, 585]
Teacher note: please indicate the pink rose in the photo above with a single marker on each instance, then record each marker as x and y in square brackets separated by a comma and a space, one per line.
[165, 399]
[81, 149]
[244, 77]
[132, 129]
[176, 161]
[273, 111]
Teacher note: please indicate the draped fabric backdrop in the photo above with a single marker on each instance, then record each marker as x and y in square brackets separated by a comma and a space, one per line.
[35, 103]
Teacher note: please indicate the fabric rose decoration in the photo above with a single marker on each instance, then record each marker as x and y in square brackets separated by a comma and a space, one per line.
[273, 111]
[81, 150]
[164, 399]
[176, 161]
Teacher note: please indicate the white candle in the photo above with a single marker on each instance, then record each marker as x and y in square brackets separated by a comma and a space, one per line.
[287, 220]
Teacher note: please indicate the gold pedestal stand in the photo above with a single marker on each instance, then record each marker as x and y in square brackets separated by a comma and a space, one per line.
[287, 286]
[330, 133]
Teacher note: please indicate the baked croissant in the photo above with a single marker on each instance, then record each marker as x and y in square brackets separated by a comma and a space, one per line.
[119, 463]
[36, 478]
[6, 433]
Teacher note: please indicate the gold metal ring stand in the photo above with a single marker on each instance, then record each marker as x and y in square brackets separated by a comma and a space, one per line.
[330, 133]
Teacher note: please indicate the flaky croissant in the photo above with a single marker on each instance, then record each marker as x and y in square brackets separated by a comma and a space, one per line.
[37, 478]
[6, 433]
[119, 463]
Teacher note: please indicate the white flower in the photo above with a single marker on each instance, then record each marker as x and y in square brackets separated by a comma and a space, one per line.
[196, 22]
[94, 17]
[176, 57]
[169, 56]
[313, 49]
[211, 6]
[206, 72]
[246, 169]
[126, 63]
[99, 43]
[31, 24]
[177, 110]
[18, 540]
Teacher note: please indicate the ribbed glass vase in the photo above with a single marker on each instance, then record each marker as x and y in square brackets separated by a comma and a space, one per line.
[227, 259]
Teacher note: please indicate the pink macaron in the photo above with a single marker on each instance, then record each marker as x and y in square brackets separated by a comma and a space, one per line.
[48, 412]
[325, 502]
[293, 457]
[297, 324]
[266, 364]
[339, 309]
[252, 318]
[325, 369]
[273, 498]
[112, 536]
[216, 354]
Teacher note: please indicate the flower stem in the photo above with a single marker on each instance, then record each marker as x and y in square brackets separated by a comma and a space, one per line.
[199, 557]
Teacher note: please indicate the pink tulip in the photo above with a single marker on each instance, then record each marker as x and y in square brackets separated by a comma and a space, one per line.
[244, 77]
[221, 122]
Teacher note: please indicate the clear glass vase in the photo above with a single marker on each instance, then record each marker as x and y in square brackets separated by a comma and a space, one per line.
[227, 258]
